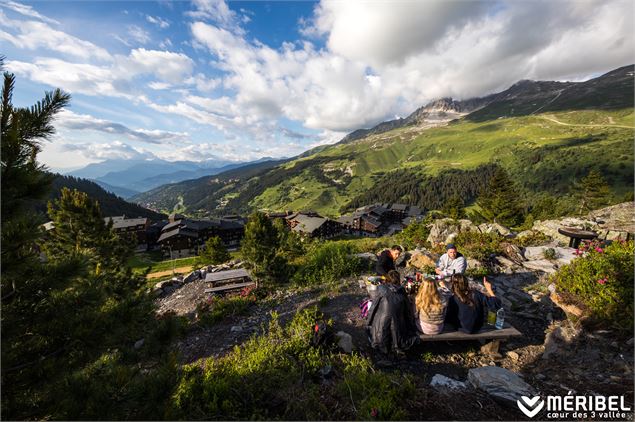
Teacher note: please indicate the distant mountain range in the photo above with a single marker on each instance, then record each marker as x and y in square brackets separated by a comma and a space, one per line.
[547, 134]
[127, 178]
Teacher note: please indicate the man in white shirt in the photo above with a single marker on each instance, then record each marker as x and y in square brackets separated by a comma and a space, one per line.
[451, 262]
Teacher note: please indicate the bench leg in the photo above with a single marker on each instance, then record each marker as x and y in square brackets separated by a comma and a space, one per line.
[491, 348]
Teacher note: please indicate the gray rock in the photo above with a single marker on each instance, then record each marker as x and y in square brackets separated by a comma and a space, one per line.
[344, 341]
[139, 344]
[550, 227]
[446, 228]
[630, 342]
[441, 382]
[194, 275]
[236, 329]
[326, 371]
[543, 265]
[500, 383]
[494, 228]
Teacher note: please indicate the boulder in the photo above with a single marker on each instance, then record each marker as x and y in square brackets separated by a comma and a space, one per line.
[500, 383]
[139, 344]
[494, 228]
[442, 382]
[559, 336]
[543, 265]
[194, 275]
[163, 284]
[344, 341]
[473, 263]
[616, 220]
[445, 229]
[422, 259]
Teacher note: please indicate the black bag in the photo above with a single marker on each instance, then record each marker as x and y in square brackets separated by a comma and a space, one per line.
[322, 334]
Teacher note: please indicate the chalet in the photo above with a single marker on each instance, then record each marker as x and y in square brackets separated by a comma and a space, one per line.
[184, 237]
[314, 227]
[133, 228]
[379, 219]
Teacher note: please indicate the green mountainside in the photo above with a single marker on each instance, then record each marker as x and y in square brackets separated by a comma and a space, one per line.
[548, 135]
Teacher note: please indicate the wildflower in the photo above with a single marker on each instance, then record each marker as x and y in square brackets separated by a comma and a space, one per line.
[374, 412]
[602, 280]
[598, 249]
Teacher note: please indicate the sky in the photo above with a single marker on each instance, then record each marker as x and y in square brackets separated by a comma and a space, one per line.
[242, 80]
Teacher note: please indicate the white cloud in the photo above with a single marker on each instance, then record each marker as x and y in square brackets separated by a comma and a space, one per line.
[108, 151]
[216, 11]
[114, 80]
[165, 65]
[70, 120]
[138, 34]
[26, 11]
[161, 23]
[32, 35]
[381, 32]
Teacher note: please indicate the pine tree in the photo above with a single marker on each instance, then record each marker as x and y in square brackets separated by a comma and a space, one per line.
[80, 229]
[24, 180]
[453, 207]
[290, 244]
[260, 244]
[594, 192]
[500, 202]
[214, 252]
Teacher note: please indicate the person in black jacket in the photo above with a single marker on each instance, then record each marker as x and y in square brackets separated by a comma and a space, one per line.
[386, 260]
[390, 321]
[466, 308]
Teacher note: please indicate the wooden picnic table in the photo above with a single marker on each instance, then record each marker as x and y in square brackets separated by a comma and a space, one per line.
[577, 235]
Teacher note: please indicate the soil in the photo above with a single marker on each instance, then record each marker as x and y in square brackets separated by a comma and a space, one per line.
[582, 362]
[159, 274]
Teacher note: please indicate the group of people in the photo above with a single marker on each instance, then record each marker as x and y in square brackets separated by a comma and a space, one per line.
[395, 322]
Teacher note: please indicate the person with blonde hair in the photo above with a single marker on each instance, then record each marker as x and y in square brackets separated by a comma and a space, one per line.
[430, 306]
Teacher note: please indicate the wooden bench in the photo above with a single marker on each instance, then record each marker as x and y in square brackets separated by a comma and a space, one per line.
[228, 287]
[223, 281]
[487, 333]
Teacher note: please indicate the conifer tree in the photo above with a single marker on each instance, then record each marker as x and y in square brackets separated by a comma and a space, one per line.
[260, 244]
[500, 201]
[594, 192]
[80, 229]
[23, 178]
[453, 207]
[214, 252]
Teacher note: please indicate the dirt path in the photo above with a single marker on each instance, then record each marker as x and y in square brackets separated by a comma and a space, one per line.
[179, 270]
[554, 120]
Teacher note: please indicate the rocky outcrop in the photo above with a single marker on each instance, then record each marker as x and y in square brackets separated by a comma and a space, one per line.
[446, 229]
[550, 227]
[500, 383]
[616, 221]
[419, 259]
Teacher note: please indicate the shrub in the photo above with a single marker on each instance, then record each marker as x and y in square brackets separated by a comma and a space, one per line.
[215, 309]
[327, 263]
[415, 234]
[602, 280]
[536, 238]
[277, 376]
[478, 245]
[550, 254]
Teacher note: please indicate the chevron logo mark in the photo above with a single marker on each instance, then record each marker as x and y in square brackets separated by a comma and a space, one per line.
[530, 407]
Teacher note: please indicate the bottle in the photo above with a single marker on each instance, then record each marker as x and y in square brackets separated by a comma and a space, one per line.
[500, 319]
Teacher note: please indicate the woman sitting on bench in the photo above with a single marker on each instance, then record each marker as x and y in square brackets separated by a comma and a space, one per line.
[430, 306]
[466, 308]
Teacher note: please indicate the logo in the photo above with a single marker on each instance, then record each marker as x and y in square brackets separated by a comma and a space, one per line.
[576, 407]
[534, 405]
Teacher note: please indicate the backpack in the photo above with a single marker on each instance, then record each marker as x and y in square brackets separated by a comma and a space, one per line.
[322, 334]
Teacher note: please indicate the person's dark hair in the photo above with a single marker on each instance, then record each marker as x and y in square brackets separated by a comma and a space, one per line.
[397, 248]
[393, 277]
[461, 289]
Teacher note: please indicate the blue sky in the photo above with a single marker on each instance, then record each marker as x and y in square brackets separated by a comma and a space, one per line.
[243, 80]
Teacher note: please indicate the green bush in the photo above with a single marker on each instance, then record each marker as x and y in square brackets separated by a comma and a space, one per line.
[534, 239]
[550, 254]
[277, 376]
[327, 263]
[602, 280]
[478, 245]
[415, 234]
[214, 309]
